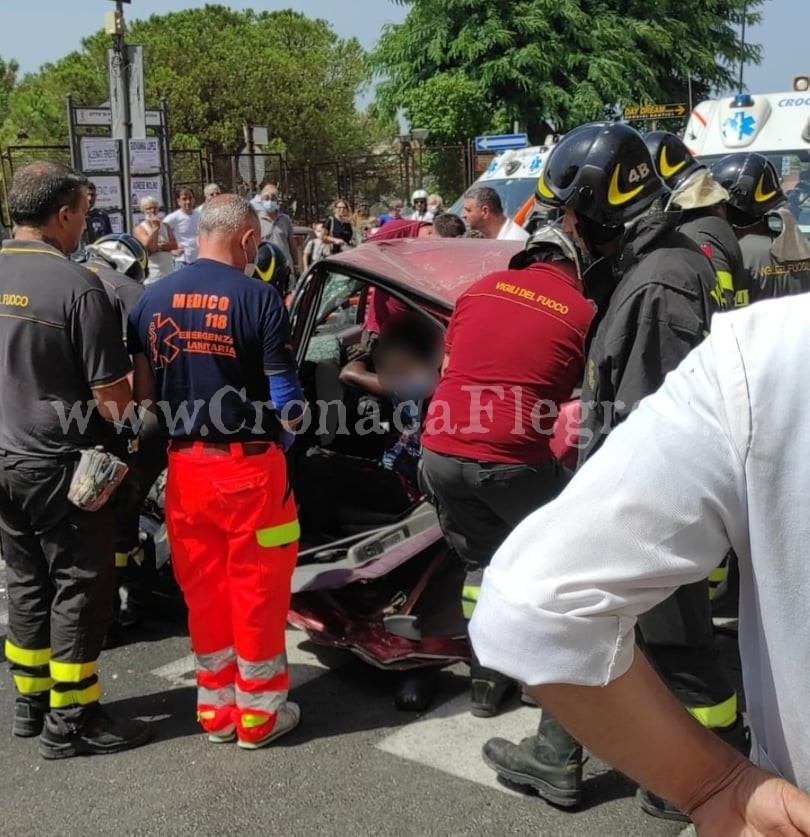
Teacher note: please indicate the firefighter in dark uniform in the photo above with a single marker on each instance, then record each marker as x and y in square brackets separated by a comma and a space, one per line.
[601, 177]
[702, 201]
[121, 263]
[61, 351]
[775, 251]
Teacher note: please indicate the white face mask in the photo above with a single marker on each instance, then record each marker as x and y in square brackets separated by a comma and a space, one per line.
[250, 266]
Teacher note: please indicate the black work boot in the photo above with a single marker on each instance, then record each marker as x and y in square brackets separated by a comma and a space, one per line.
[488, 689]
[29, 715]
[550, 762]
[92, 733]
[735, 736]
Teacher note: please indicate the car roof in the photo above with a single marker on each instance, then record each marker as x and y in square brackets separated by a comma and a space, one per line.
[437, 269]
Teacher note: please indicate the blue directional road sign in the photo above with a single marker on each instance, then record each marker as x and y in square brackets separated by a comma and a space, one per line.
[501, 142]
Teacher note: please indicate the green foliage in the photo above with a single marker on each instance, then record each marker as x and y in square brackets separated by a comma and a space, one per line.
[552, 63]
[217, 69]
[8, 81]
[450, 105]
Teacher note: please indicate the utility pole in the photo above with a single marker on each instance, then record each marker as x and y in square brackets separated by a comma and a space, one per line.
[741, 88]
[119, 100]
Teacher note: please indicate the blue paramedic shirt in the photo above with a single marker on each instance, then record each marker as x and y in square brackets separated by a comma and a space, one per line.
[212, 336]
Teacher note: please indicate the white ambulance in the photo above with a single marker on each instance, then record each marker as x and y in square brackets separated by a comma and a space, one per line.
[774, 124]
[513, 174]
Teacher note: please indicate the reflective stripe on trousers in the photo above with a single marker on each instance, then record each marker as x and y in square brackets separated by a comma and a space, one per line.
[74, 684]
[30, 668]
[216, 672]
[469, 599]
[718, 716]
[716, 578]
[261, 686]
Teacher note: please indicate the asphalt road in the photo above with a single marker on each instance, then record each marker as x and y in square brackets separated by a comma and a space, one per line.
[355, 766]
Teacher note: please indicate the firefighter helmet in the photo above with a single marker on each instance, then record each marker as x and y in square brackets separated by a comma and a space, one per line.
[272, 267]
[673, 161]
[124, 252]
[753, 186]
[603, 172]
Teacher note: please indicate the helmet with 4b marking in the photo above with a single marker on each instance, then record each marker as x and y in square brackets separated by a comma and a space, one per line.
[603, 172]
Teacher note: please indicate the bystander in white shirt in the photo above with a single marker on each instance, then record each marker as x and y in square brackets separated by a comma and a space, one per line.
[184, 225]
[715, 459]
[511, 231]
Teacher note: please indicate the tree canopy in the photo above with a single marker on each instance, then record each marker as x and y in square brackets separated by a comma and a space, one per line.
[217, 69]
[552, 64]
[8, 81]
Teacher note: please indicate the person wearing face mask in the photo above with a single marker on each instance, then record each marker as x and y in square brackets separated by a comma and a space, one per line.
[515, 350]
[435, 205]
[214, 345]
[403, 367]
[276, 226]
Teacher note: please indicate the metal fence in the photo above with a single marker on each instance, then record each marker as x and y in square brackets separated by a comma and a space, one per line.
[188, 169]
[14, 157]
[368, 181]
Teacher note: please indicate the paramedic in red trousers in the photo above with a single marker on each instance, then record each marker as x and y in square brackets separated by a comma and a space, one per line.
[211, 341]
[515, 350]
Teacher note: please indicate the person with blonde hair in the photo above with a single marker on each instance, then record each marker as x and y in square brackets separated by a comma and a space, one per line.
[157, 238]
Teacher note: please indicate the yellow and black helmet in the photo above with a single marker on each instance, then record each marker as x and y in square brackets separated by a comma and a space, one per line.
[272, 267]
[603, 172]
[124, 252]
[753, 186]
[673, 161]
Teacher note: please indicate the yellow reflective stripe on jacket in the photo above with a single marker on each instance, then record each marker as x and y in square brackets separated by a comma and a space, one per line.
[725, 280]
[30, 658]
[32, 685]
[121, 560]
[469, 599]
[75, 697]
[742, 298]
[718, 716]
[279, 535]
[72, 672]
[253, 721]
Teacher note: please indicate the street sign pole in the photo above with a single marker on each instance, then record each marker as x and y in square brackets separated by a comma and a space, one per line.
[120, 108]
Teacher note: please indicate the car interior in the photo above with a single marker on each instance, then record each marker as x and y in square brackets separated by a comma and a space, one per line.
[348, 425]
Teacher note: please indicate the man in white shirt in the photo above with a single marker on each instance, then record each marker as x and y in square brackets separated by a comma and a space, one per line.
[483, 211]
[183, 222]
[711, 461]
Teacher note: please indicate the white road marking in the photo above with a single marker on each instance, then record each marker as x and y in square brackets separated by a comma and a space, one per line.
[179, 673]
[450, 739]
